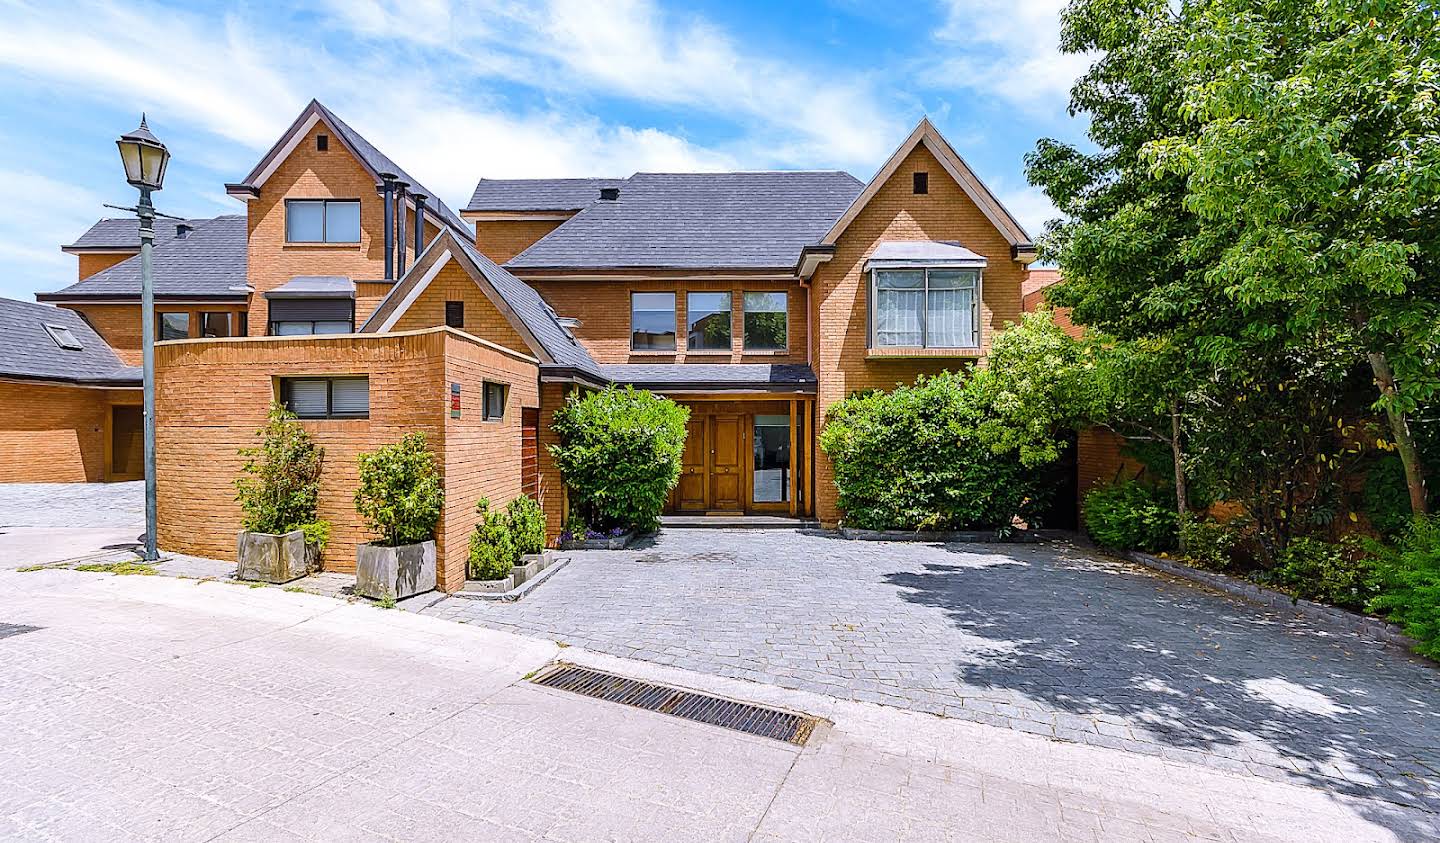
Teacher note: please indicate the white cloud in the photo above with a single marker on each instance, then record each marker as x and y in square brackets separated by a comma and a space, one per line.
[1009, 49]
[1030, 206]
[31, 231]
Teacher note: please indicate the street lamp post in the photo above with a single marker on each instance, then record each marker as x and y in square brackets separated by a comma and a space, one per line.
[145, 159]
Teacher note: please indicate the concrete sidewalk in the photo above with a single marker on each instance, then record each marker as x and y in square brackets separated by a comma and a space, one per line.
[151, 707]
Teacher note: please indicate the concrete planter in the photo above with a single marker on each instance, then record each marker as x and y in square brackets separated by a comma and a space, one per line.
[395, 572]
[937, 535]
[490, 586]
[528, 567]
[617, 543]
[267, 557]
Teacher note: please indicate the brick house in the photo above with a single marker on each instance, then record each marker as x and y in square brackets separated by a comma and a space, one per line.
[347, 290]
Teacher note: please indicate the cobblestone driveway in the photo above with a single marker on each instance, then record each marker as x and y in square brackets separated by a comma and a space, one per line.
[1045, 638]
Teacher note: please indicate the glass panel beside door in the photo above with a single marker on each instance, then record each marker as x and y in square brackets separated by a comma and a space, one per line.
[772, 459]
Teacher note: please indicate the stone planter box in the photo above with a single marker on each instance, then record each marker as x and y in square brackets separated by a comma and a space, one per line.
[617, 543]
[491, 586]
[395, 572]
[267, 557]
[937, 535]
[529, 566]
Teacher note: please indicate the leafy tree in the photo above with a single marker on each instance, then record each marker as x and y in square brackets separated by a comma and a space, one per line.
[1311, 155]
[400, 494]
[279, 489]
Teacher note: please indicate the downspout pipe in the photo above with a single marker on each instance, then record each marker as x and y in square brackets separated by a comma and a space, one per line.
[419, 222]
[387, 191]
[400, 238]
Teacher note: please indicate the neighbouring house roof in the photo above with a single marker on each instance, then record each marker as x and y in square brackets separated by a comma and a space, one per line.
[1038, 279]
[372, 159]
[209, 263]
[755, 220]
[899, 253]
[29, 352]
[314, 287]
[531, 315]
[537, 194]
[925, 133]
[778, 377]
[123, 234]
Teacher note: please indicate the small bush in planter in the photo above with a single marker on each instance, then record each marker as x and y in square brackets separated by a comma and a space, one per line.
[279, 492]
[1131, 516]
[400, 498]
[1339, 574]
[619, 453]
[493, 550]
[527, 525]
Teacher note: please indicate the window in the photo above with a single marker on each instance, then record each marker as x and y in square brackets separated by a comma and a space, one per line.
[922, 183]
[772, 459]
[298, 317]
[455, 314]
[327, 398]
[220, 324]
[494, 409]
[322, 143]
[322, 220]
[652, 321]
[174, 326]
[766, 315]
[925, 308]
[708, 315]
[63, 338]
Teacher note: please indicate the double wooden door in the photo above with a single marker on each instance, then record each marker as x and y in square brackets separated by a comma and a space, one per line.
[712, 474]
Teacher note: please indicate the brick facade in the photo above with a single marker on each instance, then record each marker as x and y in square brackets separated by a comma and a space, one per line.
[501, 240]
[212, 395]
[54, 433]
[839, 292]
[91, 262]
[482, 318]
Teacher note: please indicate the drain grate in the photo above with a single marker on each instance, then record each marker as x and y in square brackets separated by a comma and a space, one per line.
[702, 708]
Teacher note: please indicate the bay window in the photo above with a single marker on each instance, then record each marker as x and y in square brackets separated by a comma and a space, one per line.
[925, 308]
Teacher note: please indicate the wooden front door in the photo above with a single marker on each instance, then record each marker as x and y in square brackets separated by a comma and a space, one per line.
[727, 487]
[690, 494]
[127, 442]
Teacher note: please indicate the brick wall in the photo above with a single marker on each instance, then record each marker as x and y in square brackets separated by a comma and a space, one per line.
[119, 324]
[501, 240]
[52, 434]
[213, 395]
[603, 306]
[552, 489]
[839, 290]
[482, 318]
[90, 263]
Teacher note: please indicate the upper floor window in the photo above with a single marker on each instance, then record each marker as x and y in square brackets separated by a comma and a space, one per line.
[925, 308]
[652, 321]
[494, 409]
[455, 314]
[766, 321]
[221, 323]
[322, 220]
[295, 317]
[174, 326]
[708, 318]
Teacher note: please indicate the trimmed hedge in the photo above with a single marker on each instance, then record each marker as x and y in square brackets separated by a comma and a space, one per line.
[1131, 516]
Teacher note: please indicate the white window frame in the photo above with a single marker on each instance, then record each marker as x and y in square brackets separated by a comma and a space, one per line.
[925, 305]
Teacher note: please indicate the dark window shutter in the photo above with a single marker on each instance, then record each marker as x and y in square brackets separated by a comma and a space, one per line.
[322, 142]
[922, 182]
[311, 310]
[455, 314]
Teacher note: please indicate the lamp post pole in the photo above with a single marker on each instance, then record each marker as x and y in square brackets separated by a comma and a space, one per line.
[146, 211]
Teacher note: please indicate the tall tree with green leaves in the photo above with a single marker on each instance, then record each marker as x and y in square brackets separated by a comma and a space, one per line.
[1309, 146]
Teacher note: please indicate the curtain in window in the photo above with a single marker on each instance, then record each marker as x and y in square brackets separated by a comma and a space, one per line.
[950, 311]
[899, 300]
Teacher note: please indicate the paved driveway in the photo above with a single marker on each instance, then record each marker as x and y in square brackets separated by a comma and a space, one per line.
[48, 522]
[1048, 639]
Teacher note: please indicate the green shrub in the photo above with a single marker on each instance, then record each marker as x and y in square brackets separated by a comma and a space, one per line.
[1410, 584]
[1338, 574]
[1131, 516]
[279, 488]
[1208, 543]
[527, 524]
[400, 494]
[492, 545]
[914, 459]
[619, 454]
[1385, 498]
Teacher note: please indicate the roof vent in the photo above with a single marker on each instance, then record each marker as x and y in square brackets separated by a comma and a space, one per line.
[609, 194]
[182, 230]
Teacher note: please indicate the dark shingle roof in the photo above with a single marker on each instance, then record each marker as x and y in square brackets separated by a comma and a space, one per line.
[697, 220]
[209, 263]
[797, 377]
[27, 350]
[537, 194]
[124, 233]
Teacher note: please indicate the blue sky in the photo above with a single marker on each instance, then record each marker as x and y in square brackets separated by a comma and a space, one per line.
[499, 88]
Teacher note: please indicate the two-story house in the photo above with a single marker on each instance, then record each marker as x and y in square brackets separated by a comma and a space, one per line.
[347, 290]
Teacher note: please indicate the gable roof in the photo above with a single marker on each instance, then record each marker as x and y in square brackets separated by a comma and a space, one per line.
[371, 159]
[123, 234]
[527, 312]
[755, 220]
[537, 194]
[926, 133]
[209, 263]
[28, 352]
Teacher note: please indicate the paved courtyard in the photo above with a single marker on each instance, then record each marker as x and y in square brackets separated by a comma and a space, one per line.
[1049, 639]
[48, 522]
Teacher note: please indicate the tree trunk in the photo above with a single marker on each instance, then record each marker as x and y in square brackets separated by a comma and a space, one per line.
[1177, 454]
[1400, 429]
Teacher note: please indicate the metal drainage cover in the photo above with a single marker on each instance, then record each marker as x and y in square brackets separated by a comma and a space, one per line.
[702, 708]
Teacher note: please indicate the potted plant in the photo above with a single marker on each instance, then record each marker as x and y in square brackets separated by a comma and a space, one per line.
[400, 498]
[278, 491]
[527, 528]
[493, 554]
